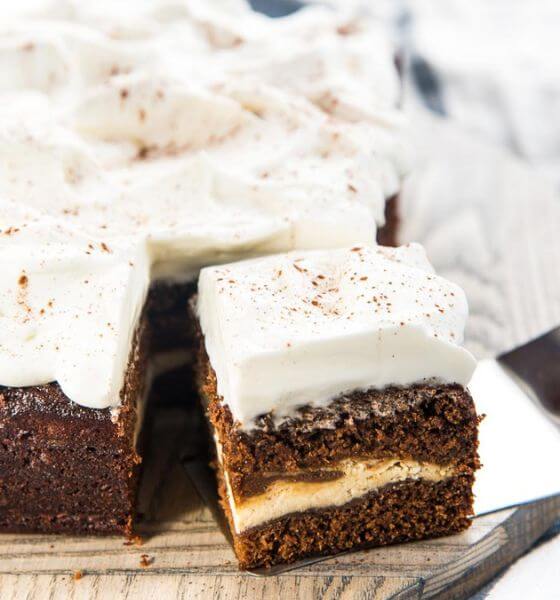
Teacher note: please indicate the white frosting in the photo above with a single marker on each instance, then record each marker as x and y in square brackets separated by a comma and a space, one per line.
[69, 305]
[305, 327]
[180, 134]
[238, 161]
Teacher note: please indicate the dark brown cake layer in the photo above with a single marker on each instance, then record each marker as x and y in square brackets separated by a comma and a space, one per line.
[388, 234]
[167, 309]
[66, 468]
[411, 510]
[426, 423]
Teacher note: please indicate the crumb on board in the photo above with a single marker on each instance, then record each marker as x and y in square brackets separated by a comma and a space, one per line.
[146, 561]
[134, 540]
[78, 575]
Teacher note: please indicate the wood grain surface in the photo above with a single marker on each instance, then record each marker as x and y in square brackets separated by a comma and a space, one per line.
[489, 224]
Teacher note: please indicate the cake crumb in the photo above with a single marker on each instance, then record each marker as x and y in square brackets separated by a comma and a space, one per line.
[78, 575]
[146, 561]
[134, 540]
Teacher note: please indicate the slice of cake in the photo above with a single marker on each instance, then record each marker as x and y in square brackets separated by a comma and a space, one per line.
[73, 352]
[334, 383]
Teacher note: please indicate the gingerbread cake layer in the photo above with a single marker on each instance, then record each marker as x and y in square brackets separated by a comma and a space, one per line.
[402, 512]
[387, 234]
[69, 469]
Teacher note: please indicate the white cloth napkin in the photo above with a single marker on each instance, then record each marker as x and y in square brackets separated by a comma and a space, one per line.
[497, 63]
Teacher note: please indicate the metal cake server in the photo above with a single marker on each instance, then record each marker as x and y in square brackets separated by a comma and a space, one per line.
[519, 393]
[535, 366]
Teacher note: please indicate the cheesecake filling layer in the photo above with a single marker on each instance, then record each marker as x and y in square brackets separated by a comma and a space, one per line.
[357, 478]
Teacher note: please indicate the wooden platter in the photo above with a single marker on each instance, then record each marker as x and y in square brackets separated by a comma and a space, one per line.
[489, 224]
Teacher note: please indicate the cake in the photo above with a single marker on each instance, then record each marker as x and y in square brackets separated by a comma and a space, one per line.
[137, 147]
[334, 382]
[73, 326]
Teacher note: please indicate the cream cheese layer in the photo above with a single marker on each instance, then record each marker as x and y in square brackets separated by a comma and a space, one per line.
[358, 478]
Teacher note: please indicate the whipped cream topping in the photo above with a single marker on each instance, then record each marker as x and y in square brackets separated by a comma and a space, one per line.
[206, 129]
[255, 171]
[179, 134]
[305, 327]
[69, 305]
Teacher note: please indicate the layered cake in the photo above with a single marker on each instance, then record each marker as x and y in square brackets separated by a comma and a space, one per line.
[135, 148]
[335, 386]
